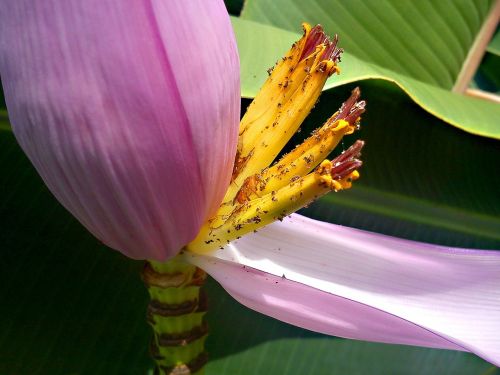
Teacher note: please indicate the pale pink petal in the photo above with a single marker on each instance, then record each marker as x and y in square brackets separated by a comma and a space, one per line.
[128, 110]
[356, 284]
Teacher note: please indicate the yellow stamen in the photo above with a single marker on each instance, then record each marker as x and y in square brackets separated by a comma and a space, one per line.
[282, 104]
[298, 162]
[259, 193]
[274, 206]
[273, 136]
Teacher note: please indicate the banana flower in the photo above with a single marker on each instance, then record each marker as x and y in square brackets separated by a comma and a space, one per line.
[129, 111]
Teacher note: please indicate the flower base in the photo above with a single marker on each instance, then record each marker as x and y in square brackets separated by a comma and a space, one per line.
[176, 312]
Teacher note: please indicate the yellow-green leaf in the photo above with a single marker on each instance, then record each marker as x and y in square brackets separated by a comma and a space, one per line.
[419, 46]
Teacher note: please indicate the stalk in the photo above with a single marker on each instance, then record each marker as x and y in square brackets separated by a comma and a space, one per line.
[176, 312]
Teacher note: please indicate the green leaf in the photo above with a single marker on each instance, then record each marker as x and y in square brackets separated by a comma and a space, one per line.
[72, 306]
[419, 46]
[494, 45]
[428, 41]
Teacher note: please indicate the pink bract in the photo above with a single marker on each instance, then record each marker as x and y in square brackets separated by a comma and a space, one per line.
[128, 117]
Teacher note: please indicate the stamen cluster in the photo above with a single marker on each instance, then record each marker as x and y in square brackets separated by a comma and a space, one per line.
[261, 193]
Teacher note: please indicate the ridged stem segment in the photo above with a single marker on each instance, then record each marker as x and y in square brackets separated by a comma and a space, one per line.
[176, 312]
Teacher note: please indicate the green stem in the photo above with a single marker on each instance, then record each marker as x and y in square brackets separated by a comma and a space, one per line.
[176, 313]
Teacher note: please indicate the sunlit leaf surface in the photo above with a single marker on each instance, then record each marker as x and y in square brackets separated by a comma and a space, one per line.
[420, 46]
[494, 45]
